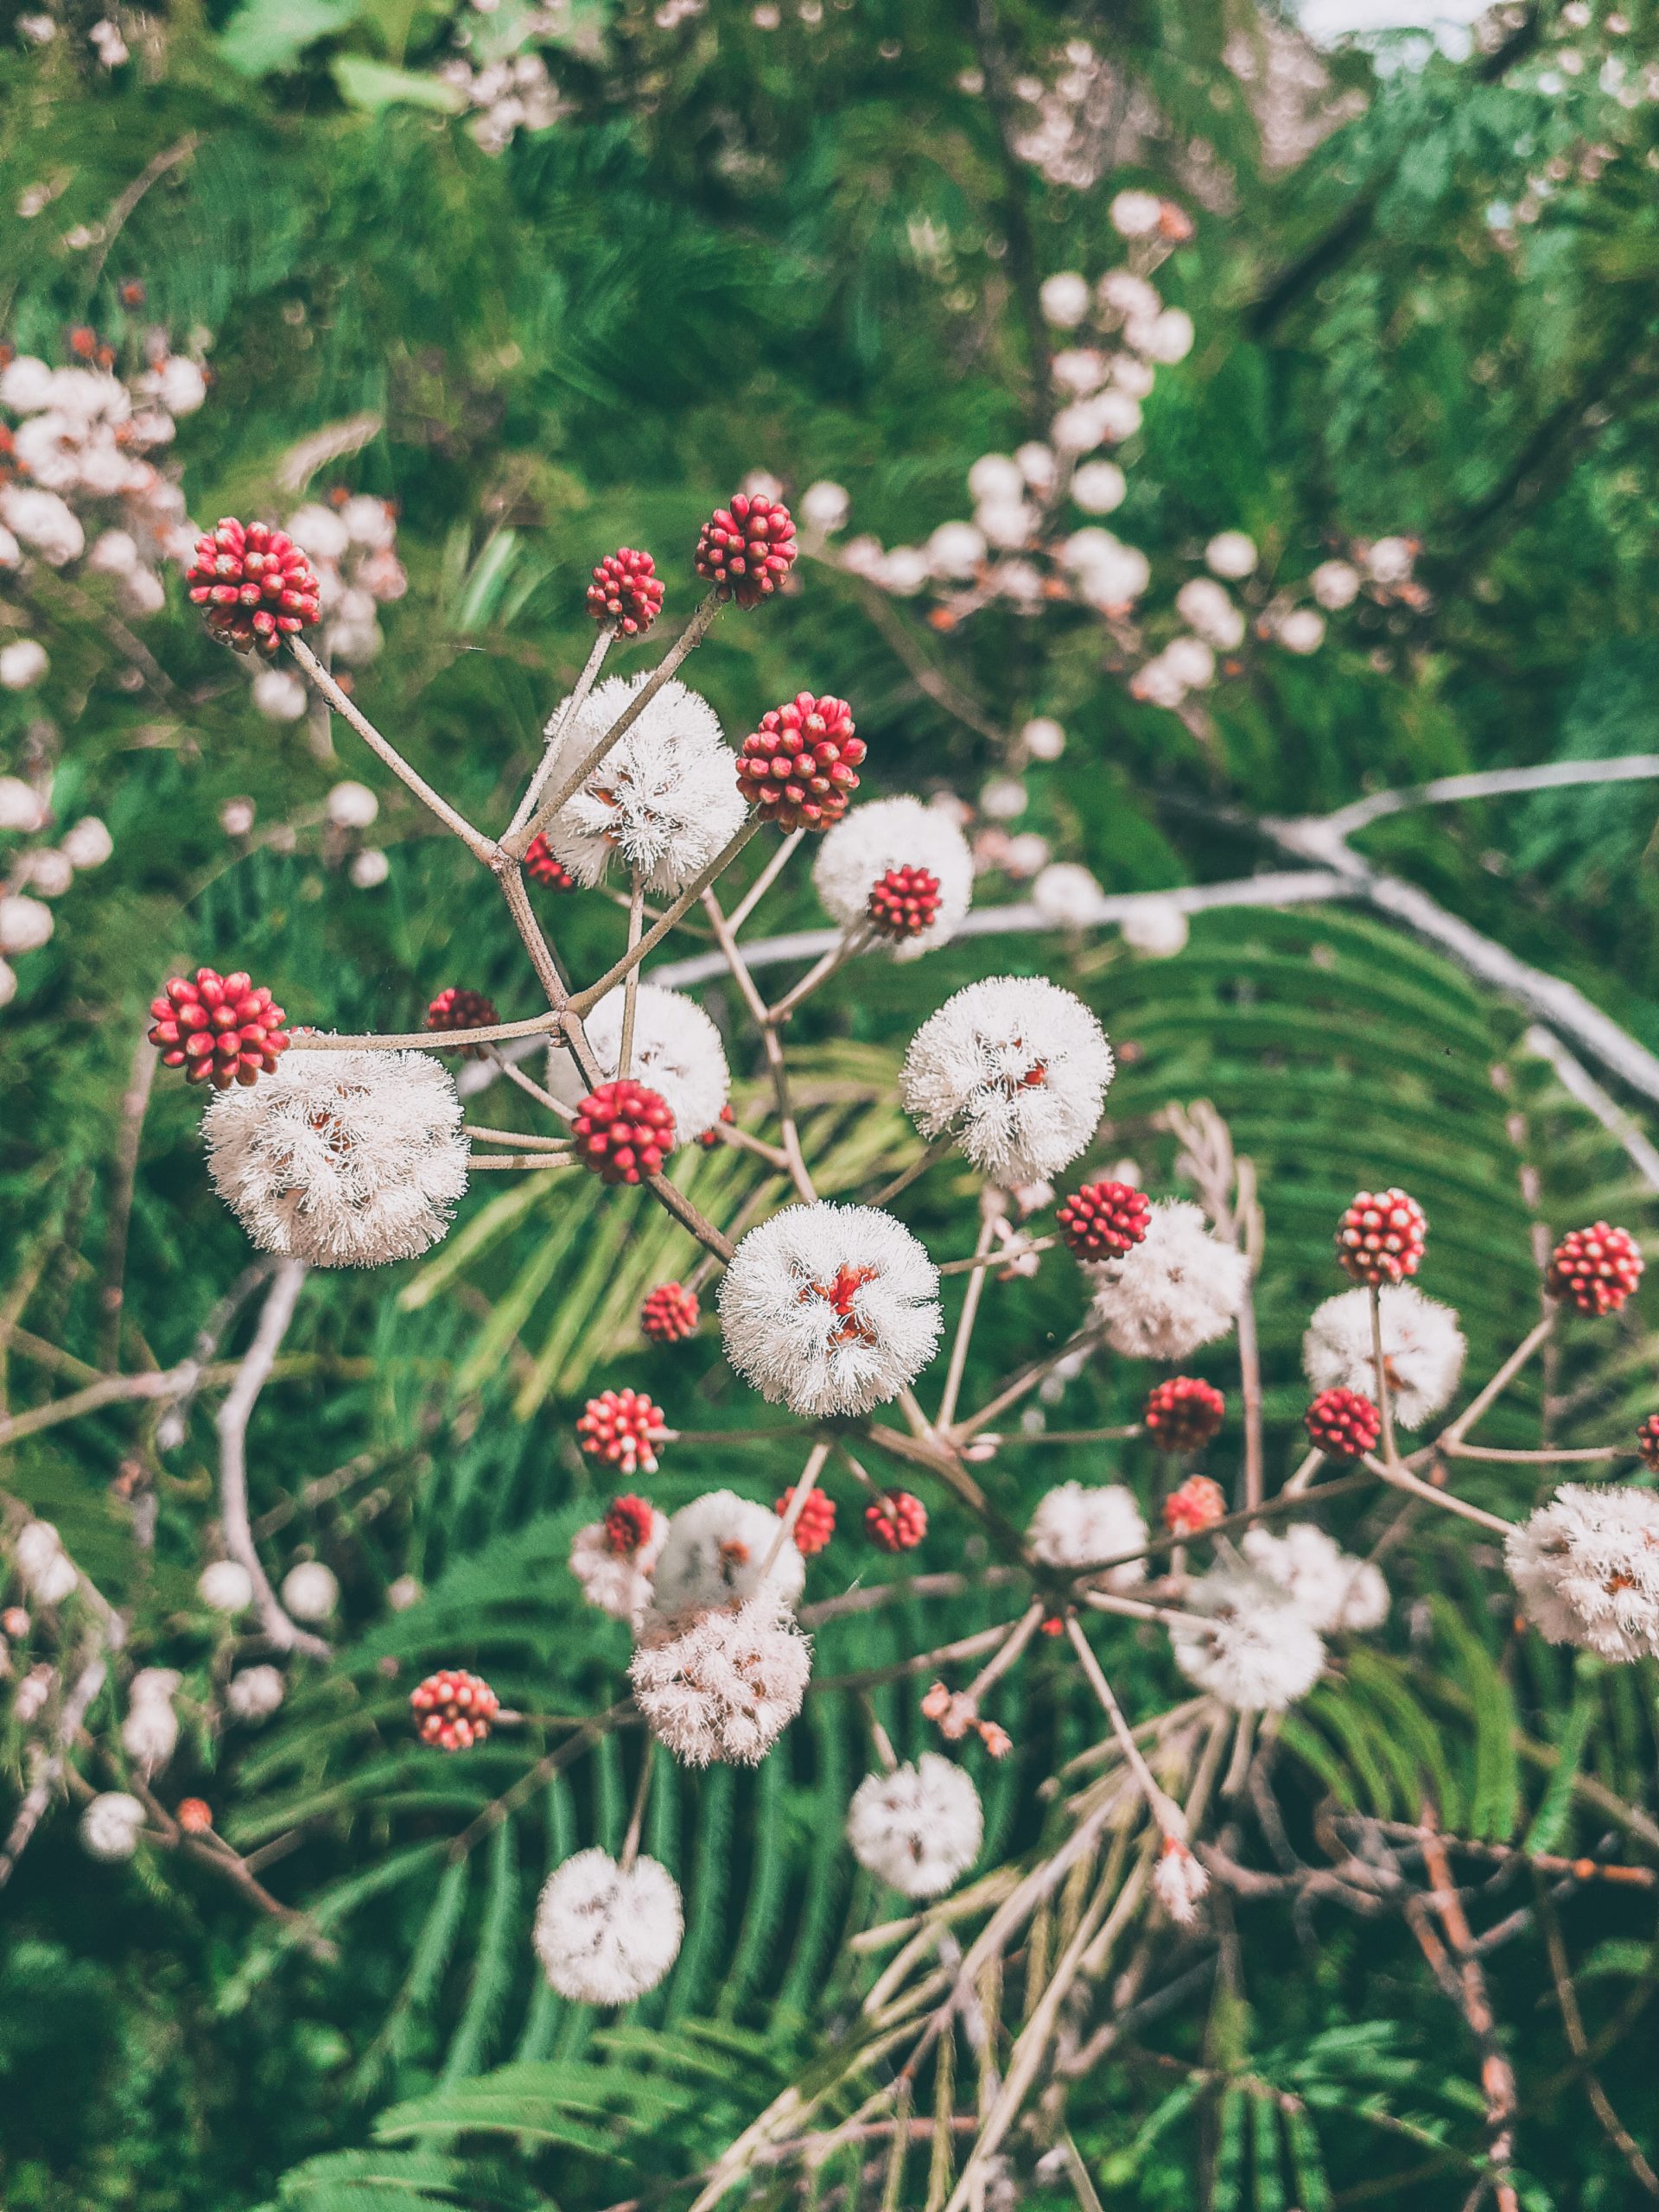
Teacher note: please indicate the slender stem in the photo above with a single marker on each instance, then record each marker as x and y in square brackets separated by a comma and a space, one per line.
[482, 1162]
[852, 940]
[1018, 1440]
[480, 847]
[556, 722]
[111, 1292]
[763, 883]
[1013, 1644]
[630, 986]
[480, 1135]
[727, 1133]
[992, 1259]
[48, 1770]
[533, 1089]
[1304, 1475]
[1026, 1380]
[549, 974]
[1250, 1378]
[919, 1167]
[804, 1490]
[1163, 1808]
[1400, 1478]
[1500, 1382]
[1538, 1458]
[1384, 1395]
[637, 1817]
[1137, 1609]
[586, 1000]
[421, 1041]
[795, 1160]
[965, 1322]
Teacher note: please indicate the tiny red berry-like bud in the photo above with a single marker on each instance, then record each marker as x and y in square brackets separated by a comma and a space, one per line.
[83, 342]
[1647, 1442]
[817, 1521]
[1196, 1506]
[1380, 1238]
[132, 293]
[219, 1029]
[456, 1008]
[628, 1523]
[13, 1623]
[193, 1814]
[711, 1137]
[627, 592]
[895, 1522]
[995, 1738]
[1344, 1424]
[623, 1132]
[671, 1313]
[622, 1427]
[1102, 1221]
[796, 769]
[905, 903]
[746, 549]
[1596, 1268]
[1054, 1625]
[452, 1709]
[1183, 1413]
[541, 865]
[253, 585]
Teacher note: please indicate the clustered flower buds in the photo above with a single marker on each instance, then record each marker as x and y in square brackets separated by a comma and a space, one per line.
[623, 1428]
[1380, 1238]
[627, 592]
[1647, 1443]
[541, 865]
[256, 585]
[623, 1132]
[1103, 1220]
[903, 903]
[746, 549]
[797, 768]
[1597, 1268]
[452, 1709]
[1198, 1504]
[456, 1008]
[629, 1524]
[219, 1029]
[670, 1314]
[1344, 1423]
[816, 1522]
[895, 1522]
[1183, 1413]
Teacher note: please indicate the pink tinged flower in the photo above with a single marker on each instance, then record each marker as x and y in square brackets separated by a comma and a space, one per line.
[606, 1934]
[724, 1687]
[1178, 1881]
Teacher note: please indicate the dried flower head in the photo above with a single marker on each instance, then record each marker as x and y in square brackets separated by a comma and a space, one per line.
[1017, 1068]
[614, 1558]
[254, 1693]
[1586, 1567]
[1380, 1237]
[918, 1827]
[606, 1934]
[715, 1549]
[747, 549]
[219, 1029]
[1178, 1288]
[725, 1687]
[110, 1826]
[1422, 1349]
[900, 868]
[797, 769]
[1332, 1591]
[676, 1053]
[1597, 1268]
[1076, 1526]
[45, 1569]
[1256, 1650]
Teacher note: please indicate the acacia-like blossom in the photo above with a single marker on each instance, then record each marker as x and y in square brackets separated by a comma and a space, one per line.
[724, 1686]
[1067, 895]
[1156, 928]
[1422, 1349]
[310, 1590]
[1332, 1590]
[1586, 1567]
[254, 1693]
[604, 1934]
[1017, 1069]
[347, 1159]
[895, 833]
[616, 1576]
[665, 799]
[715, 1551]
[111, 1826]
[150, 1734]
[1258, 1651]
[1075, 1525]
[46, 1571]
[918, 1827]
[676, 1053]
[1178, 1288]
[225, 1587]
[829, 1309]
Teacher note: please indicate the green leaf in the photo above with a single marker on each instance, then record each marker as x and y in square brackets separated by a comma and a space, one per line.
[373, 85]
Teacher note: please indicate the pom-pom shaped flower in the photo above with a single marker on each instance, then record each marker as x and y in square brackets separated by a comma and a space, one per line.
[1196, 1506]
[614, 1558]
[1102, 1221]
[627, 592]
[917, 1828]
[623, 1132]
[1380, 1237]
[1017, 1069]
[111, 1826]
[345, 1160]
[1344, 1424]
[797, 769]
[226, 1586]
[899, 868]
[542, 867]
[723, 1687]
[670, 1314]
[456, 1008]
[1647, 1443]
[254, 1693]
[605, 1934]
[1178, 1881]
[623, 1428]
[816, 1522]
[254, 586]
[1178, 1288]
[219, 1029]
[829, 1309]
[1183, 1413]
[452, 1709]
[310, 1590]
[1253, 1647]
[1586, 1567]
[1422, 1349]
[45, 1569]
[150, 1734]
[895, 1522]
[676, 1053]
[1076, 1526]
[1597, 1268]
[747, 549]
[714, 1554]
[663, 801]
[1332, 1591]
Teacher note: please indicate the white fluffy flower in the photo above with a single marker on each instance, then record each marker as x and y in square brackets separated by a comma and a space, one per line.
[8, 982]
[1332, 1590]
[226, 1586]
[1123, 294]
[310, 1590]
[352, 806]
[1067, 894]
[918, 1827]
[956, 549]
[1335, 584]
[21, 807]
[1302, 631]
[179, 385]
[88, 844]
[43, 522]
[1262, 1652]
[1390, 560]
[1422, 1349]
[1099, 487]
[904, 570]
[1203, 604]
[25, 386]
[47, 873]
[604, 1937]
[318, 530]
[1134, 214]
[111, 1826]
[1006, 523]
[1586, 1567]
[369, 522]
[665, 799]
[1043, 738]
[1167, 339]
[1080, 369]
[150, 1734]
[25, 924]
[725, 1687]
[22, 664]
[824, 506]
[1108, 573]
[1064, 299]
[715, 1551]
[1018, 1068]
[115, 553]
[1232, 554]
[829, 1309]
[47, 1570]
[404, 1592]
[1191, 660]
[255, 1693]
[993, 476]
[1079, 1526]
[1157, 928]
[617, 1582]
[890, 833]
[370, 869]
[1178, 1288]
[342, 1158]
[676, 1053]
